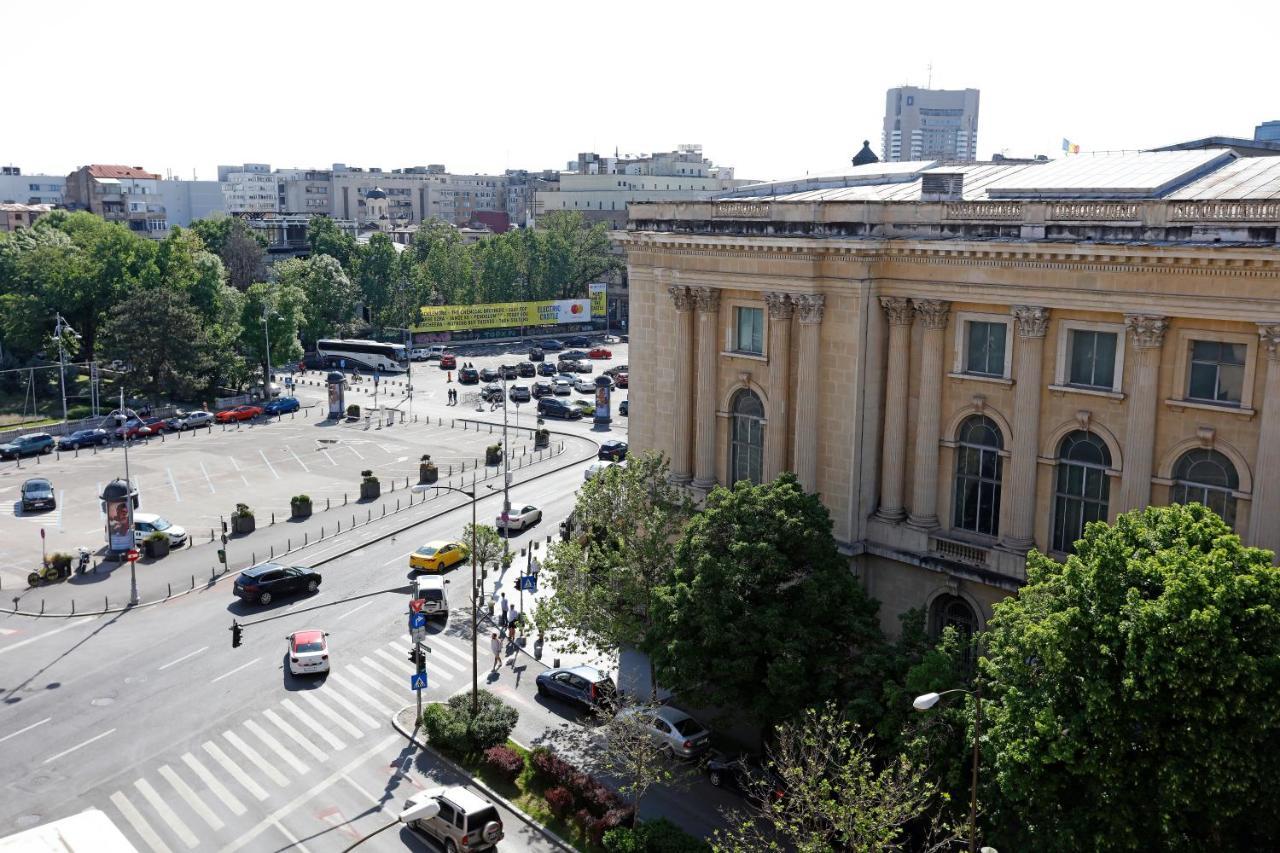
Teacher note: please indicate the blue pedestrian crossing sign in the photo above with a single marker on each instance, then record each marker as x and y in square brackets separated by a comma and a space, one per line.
[417, 620]
[418, 681]
[528, 583]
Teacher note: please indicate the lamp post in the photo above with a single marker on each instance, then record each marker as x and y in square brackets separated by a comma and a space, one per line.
[266, 335]
[506, 474]
[133, 571]
[475, 596]
[61, 327]
[927, 701]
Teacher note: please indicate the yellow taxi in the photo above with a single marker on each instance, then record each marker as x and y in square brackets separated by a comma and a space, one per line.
[438, 555]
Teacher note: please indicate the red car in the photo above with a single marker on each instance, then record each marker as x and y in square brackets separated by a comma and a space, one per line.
[600, 352]
[134, 428]
[239, 413]
[448, 362]
[620, 379]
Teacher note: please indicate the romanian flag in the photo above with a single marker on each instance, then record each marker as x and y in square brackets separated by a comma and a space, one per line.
[1070, 147]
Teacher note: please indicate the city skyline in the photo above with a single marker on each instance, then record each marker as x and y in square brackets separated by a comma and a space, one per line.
[800, 99]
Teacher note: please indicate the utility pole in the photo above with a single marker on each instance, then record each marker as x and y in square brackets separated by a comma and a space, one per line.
[58, 329]
[475, 608]
[266, 382]
[133, 572]
[506, 476]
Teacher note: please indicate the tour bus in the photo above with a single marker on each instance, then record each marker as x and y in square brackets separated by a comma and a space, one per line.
[367, 355]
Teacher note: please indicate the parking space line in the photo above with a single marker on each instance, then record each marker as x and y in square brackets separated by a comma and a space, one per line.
[299, 461]
[330, 458]
[263, 454]
[192, 798]
[231, 767]
[62, 501]
[356, 452]
[139, 823]
[102, 513]
[208, 479]
[174, 484]
[211, 782]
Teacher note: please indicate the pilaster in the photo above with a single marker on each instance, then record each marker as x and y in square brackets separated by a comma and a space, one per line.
[682, 420]
[704, 404]
[893, 463]
[1264, 514]
[1031, 324]
[933, 315]
[781, 309]
[809, 310]
[1147, 337]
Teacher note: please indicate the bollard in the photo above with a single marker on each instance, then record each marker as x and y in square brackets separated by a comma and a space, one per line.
[398, 502]
[288, 545]
[273, 518]
[193, 581]
[255, 558]
[42, 606]
[73, 607]
[353, 517]
[213, 574]
[344, 498]
[210, 534]
[384, 510]
[326, 503]
[106, 604]
[304, 536]
[272, 555]
[162, 438]
[170, 595]
[368, 517]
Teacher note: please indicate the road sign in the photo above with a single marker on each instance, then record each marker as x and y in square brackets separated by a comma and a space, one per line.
[415, 605]
[528, 583]
[132, 555]
[418, 681]
[417, 620]
[41, 532]
[418, 634]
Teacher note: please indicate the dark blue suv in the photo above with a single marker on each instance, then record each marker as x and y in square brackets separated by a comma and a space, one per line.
[282, 406]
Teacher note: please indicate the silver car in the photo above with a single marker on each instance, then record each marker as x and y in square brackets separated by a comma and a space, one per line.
[676, 732]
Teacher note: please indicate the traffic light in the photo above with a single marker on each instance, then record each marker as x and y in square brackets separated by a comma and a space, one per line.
[236, 632]
[222, 556]
[416, 656]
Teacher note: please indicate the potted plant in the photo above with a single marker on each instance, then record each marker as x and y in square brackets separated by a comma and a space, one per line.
[60, 562]
[156, 545]
[493, 454]
[353, 412]
[541, 438]
[300, 506]
[541, 624]
[370, 486]
[242, 520]
[427, 470]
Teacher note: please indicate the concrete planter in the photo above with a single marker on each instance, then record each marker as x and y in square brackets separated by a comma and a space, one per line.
[370, 489]
[242, 524]
[492, 457]
[300, 509]
[428, 473]
[156, 548]
[541, 439]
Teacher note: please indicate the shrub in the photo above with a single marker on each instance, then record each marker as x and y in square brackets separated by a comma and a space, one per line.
[653, 836]
[367, 473]
[157, 536]
[505, 761]
[550, 768]
[242, 510]
[611, 820]
[452, 727]
[585, 820]
[353, 411]
[445, 730]
[300, 499]
[559, 801]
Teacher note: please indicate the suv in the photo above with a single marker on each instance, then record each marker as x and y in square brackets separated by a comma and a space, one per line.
[509, 371]
[492, 393]
[526, 369]
[550, 407]
[584, 686]
[520, 393]
[468, 376]
[488, 374]
[37, 493]
[537, 354]
[262, 583]
[27, 445]
[435, 352]
[431, 588]
[458, 818]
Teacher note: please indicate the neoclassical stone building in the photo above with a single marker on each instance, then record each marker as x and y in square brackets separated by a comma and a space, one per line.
[967, 361]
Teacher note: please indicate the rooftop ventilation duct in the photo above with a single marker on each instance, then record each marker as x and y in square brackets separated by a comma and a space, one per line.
[942, 186]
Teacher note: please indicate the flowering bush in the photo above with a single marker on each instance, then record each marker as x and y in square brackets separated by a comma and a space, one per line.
[559, 800]
[505, 760]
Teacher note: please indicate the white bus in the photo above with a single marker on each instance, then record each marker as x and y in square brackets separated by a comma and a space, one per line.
[370, 355]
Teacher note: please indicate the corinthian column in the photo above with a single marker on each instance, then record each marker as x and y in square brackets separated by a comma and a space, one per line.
[933, 314]
[1147, 334]
[1264, 515]
[776, 420]
[809, 309]
[1031, 324]
[894, 460]
[682, 407]
[704, 467]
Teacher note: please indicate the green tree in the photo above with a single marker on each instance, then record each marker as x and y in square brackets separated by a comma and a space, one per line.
[487, 545]
[606, 580]
[331, 295]
[215, 230]
[1136, 692]
[762, 613]
[326, 238]
[284, 306]
[241, 248]
[375, 270]
[567, 254]
[161, 335]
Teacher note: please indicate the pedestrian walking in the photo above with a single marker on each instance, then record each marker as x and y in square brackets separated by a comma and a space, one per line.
[495, 645]
[512, 623]
[502, 611]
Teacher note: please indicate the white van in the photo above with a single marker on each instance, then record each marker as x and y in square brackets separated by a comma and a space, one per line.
[435, 351]
[432, 589]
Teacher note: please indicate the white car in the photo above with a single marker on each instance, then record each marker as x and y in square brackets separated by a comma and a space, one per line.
[191, 420]
[585, 386]
[561, 388]
[308, 652]
[597, 468]
[519, 518]
[146, 523]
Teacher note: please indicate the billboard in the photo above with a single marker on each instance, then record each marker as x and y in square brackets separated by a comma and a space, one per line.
[119, 524]
[498, 315]
[599, 303]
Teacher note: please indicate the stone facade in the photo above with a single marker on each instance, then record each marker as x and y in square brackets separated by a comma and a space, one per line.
[877, 356]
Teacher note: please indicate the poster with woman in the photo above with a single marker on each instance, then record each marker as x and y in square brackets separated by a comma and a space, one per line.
[119, 525]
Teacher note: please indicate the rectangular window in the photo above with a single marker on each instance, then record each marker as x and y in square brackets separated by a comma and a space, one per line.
[1217, 372]
[749, 336]
[1092, 361]
[984, 351]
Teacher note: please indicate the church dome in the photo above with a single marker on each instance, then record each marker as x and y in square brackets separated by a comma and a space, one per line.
[376, 192]
[866, 155]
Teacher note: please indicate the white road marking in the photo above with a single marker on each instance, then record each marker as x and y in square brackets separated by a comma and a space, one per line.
[139, 823]
[62, 502]
[354, 609]
[237, 669]
[270, 467]
[320, 730]
[399, 559]
[398, 665]
[56, 756]
[334, 717]
[184, 657]
[330, 458]
[193, 800]
[27, 729]
[432, 657]
[234, 769]
[363, 693]
[448, 650]
[299, 461]
[167, 814]
[208, 479]
[211, 782]
[174, 484]
[275, 746]
[353, 450]
[294, 843]
[256, 758]
[377, 685]
[351, 709]
[292, 732]
[65, 627]
[366, 796]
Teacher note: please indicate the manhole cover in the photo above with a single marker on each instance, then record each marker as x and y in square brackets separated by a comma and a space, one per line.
[105, 700]
[26, 821]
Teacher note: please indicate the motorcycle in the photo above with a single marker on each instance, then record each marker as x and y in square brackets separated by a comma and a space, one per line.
[82, 564]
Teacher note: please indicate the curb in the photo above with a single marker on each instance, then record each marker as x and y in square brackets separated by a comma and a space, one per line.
[457, 768]
[228, 572]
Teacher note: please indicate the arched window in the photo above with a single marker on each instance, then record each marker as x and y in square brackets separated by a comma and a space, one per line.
[978, 470]
[746, 446]
[952, 611]
[1082, 488]
[1207, 477]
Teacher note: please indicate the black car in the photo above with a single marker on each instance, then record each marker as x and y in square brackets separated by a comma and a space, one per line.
[550, 407]
[537, 354]
[542, 389]
[613, 450]
[573, 355]
[550, 345]
[584, 686]
[509, 371]
[37, 493]
[492, 393]
[546, 368]
[488, 374]
[746, 774]
[520, 394]
[577, 341]
[624, 409]
[468, 376]
[526, 369]
[84, 438]
[615, 370]
[268, 581]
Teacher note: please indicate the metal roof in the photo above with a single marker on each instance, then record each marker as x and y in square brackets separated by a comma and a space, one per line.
[1147, 174]
[1249, 178]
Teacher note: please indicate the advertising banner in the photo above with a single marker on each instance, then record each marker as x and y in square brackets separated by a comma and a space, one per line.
[494, 315]
[599, 301]
[602, 400]
[119, 525]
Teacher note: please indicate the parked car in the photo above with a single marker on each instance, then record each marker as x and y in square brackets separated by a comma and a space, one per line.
[587, 407]
[488, 374]
[615, 370]
[542, 389]
[537, 354]
[492, 393]
[549, 407]
[37, 493]
[583, 366]
[448, 361]
[584, 686]
[146, 523]
[282, 406]
[266, 582]
[550, 345]
[468, 376]
[526, 369]
[745, 773]
[519, 518]
[456, 818]
[418, 354]
[573, 355]
[436, 351]
[577, 341]
[194, 420]
[622, 380]
[595, 469]
[624, 408]
[585, 386]
[613, 450]
[308, 652]
[676, 733]
[520, 394]
[546, 368]
[438, 555]
[561, 388]
[84, 438]
[600, 352]
[257, 392]
[139, 428]
[567, 366]
[239, 413]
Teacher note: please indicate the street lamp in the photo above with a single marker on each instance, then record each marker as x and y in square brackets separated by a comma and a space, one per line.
[266, 382]
[926, 701]
[61, 328]
[506, 473]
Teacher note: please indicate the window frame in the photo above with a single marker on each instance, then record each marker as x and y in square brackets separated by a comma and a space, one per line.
[999, 452]
[735, 443]
[959, 364]
[1059, 495]
[1231, 494]
[734, 344]
[1184, 341]
[1062, 369]
[729, 325]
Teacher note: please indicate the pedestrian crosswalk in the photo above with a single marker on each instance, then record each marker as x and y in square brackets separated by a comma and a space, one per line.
[183, 803]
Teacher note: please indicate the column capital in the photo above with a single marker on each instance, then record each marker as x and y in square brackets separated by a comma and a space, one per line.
[810, 306]
[1032, 320]
[681, 296]
[1147, 330]
[708, 299]
[1270, 334]
[897, 309]
[934, 313]
[780, 305]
